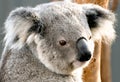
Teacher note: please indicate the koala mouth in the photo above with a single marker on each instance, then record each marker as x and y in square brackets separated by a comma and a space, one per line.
[82, 61]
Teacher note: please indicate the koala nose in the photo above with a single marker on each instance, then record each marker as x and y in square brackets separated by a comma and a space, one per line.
[84, 54]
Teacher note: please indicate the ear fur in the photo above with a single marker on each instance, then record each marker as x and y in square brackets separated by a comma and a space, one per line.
[20, 24]
[101, 22]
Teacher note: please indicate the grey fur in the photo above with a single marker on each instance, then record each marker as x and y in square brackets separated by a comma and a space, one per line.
[32, 51]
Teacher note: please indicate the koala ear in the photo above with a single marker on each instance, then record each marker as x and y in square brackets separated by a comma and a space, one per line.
[20, 23]
[101, 22]
[96, 14]
[28, 15]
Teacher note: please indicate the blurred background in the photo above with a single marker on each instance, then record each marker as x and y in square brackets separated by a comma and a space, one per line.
[7, 5]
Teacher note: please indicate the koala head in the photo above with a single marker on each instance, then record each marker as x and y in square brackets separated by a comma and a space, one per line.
[60, 34]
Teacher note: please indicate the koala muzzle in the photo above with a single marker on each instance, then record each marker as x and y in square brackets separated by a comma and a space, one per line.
[84, 54]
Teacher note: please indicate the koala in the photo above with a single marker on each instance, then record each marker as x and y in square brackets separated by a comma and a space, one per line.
[53, 42]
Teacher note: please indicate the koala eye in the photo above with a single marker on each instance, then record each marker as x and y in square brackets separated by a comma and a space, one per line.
[90, 37]
[62, 42]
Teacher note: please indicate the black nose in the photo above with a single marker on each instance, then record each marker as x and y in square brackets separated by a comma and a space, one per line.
[84, 57]
[84, 54]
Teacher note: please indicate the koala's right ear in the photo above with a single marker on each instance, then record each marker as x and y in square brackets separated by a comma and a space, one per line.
[27, 15]
[20, 24]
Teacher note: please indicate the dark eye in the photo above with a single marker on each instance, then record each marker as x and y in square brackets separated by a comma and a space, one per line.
[62, 42]
[90, 37]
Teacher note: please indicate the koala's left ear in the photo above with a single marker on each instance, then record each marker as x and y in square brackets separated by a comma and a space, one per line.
[101, 22]
[96, 15]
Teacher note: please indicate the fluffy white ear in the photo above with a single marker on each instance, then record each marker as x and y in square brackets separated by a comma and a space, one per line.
[19, 25]
[101, 22]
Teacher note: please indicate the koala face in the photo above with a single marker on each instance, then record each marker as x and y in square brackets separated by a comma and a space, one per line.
[62, 33]
[66, 39]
